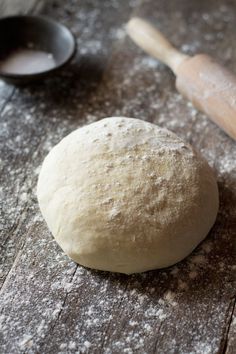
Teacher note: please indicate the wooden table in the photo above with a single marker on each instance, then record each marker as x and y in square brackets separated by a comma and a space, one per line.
[48, 303]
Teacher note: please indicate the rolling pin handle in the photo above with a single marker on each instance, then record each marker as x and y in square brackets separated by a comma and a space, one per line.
[154, 43]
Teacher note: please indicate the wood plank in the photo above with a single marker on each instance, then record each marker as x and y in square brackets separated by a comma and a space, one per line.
[48, 303]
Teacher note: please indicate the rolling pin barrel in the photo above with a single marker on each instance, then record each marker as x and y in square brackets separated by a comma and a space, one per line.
[209, 86]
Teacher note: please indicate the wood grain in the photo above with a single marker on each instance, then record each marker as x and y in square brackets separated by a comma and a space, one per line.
[48, 303]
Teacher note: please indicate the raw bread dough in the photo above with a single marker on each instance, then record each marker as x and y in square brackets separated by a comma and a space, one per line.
[124, 195]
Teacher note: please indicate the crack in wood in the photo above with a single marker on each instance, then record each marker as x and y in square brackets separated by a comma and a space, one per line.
[8, 275]
[51, 329]
[104, 339]
[37, 6]
[157, 340]
[10, 7]
[225, 338]
[16, 227]
[18, 252]
[8, 100]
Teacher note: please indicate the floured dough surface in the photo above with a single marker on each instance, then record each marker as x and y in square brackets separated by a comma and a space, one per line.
[124, 195]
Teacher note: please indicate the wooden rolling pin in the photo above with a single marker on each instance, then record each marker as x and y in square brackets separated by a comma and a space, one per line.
[209, 86]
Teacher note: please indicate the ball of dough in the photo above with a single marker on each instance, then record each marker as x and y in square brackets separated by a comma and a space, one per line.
[127, 196]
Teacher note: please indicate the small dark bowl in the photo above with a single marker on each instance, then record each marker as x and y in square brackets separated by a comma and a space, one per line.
[43, 34]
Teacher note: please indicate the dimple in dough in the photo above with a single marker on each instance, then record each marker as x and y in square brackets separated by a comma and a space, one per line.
[125, 195]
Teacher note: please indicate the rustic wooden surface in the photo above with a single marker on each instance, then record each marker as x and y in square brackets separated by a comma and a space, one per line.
[48, 303]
